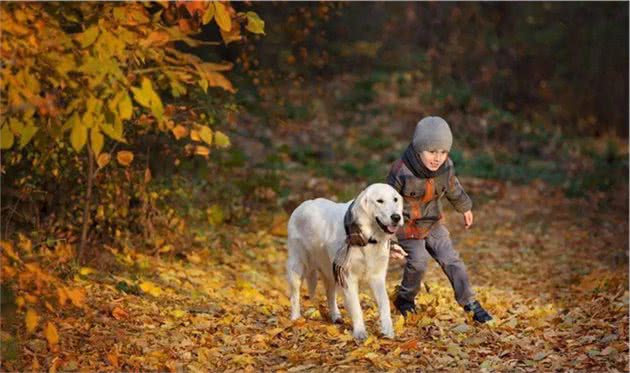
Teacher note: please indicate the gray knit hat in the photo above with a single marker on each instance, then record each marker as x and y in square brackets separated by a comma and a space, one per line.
[432, 133]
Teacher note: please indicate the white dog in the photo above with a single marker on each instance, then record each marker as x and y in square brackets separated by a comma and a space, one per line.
[318, 228]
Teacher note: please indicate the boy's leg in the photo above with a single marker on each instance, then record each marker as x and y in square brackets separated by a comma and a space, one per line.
[415, 268]
[439, 245]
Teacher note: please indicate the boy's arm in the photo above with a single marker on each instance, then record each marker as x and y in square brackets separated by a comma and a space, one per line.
[393, 178]
[455, 193]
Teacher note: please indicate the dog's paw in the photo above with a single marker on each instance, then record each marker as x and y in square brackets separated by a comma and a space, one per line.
[389, 334]
[336, 319]
[360, 335]
[295, 316]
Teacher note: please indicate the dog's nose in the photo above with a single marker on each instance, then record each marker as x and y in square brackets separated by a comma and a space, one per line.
[395, 218]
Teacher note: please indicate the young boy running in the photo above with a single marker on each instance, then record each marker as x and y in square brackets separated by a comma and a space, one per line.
[424, 175]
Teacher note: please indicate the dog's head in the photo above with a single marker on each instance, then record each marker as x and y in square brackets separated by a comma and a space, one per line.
[379, 210]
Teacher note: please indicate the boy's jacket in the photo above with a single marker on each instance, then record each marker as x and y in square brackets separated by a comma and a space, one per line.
[422, 208]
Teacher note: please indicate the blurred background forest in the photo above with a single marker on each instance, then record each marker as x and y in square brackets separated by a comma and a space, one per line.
[317, 100]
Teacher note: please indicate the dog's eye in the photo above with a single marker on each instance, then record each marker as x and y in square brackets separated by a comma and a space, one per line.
[379, 200]
[395, 199]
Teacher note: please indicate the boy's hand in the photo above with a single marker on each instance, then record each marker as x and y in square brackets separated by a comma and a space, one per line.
[396, 252]
[468, 219]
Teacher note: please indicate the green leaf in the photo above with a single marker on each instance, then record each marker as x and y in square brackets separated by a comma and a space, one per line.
[88, 37]
[222, 16]
[206, 134]
[221, 140]
[254, 23]
[97, 141]
[6, 137]
[78, 136]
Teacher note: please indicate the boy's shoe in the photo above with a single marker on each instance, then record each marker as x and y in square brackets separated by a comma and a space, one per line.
[404, 306]
[479, 314]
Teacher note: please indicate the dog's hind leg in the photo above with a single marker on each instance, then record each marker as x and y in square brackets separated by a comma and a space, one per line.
[331, 297]
[294, 277]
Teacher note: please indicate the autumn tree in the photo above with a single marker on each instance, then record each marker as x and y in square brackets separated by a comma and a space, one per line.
[81, 81]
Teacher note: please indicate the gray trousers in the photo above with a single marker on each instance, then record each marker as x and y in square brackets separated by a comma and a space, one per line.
[438, 245]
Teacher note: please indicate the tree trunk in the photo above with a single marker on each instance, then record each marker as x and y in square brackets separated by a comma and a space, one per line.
[86, 206]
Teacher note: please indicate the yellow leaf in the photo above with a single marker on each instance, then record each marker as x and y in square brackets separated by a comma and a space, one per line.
[77, 296]
[221, 140]
[6, 137]
[19, 302]
[208, 15]
[215, 214]
[150, 288]
[206, 135]
[254, 23]
[27, 134]
[51, 334]
[32, 319]
[62, 296]
[124, 157]
[87, 37]
[97, 141]
[216, 79]
[125, 107]
[222, 16]
[8, 250]
[84, 271]
[78, 136]
[202, 150]
[194, 135]
[399, 324]
[103, 160]
[178, 313]
[180, 131]
[146, 96]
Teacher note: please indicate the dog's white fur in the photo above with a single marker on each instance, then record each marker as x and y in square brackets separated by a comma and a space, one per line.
[315, 233]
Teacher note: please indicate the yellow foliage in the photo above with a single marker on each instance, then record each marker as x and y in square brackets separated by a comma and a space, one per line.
[124, 157]
[221, 140]
[52, 336]
[180, 131]
[150, 288]
[77, 296]
[31, 320]
[222, 16]
[103, 159]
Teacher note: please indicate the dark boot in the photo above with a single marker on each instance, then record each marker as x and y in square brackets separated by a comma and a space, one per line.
[404, 306]
[479, 314]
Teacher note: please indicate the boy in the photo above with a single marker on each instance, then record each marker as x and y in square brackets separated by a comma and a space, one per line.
[424, 175]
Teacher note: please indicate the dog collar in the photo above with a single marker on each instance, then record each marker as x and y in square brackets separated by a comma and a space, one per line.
[354, 235]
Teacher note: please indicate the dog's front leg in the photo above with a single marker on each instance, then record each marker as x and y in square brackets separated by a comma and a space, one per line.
[353, 306]
[380, 294]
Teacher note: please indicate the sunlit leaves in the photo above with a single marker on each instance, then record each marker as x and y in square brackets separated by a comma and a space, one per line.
[179, 131]
[124, 157]
[78, 136]
[146, 96]
[221, 140]
[52, 336]
[31, 320]
[205, 134]
[254, 23]
[103, 159]
[97, 140]
[208, 15]
[6, 137]
[222, 16]
[88, 37]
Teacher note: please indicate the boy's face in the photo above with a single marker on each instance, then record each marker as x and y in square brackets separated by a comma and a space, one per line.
[433, 159]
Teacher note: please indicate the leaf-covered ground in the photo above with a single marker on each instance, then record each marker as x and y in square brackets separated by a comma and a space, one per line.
[552, 271]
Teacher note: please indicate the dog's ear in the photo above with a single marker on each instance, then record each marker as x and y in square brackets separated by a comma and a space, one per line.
[361, 202]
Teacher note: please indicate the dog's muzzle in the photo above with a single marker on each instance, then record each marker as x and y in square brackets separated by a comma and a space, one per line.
[389, 229]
